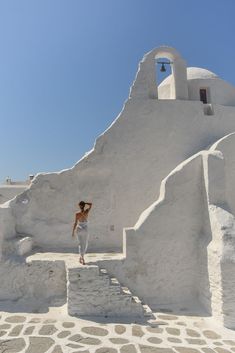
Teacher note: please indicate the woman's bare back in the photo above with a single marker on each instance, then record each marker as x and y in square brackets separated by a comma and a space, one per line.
[82, 216]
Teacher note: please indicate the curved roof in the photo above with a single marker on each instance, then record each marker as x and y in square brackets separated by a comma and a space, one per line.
[199, 73]
[193, 73]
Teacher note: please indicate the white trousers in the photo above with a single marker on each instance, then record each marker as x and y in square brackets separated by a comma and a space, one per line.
[83, 236]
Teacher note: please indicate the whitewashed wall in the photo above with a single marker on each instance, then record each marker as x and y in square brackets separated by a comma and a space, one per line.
[221, 250]
[162, 256]
[182, 249]
[219, 91]
[226, 147]
[122, 174]
[33, 286]
[7, 225]
[7, 192]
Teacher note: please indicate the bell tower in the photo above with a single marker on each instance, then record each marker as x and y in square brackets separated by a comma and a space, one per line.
[146, 83]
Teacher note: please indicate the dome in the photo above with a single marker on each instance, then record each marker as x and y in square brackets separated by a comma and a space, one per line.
[193, 73]
[199, 73]
[203, 85]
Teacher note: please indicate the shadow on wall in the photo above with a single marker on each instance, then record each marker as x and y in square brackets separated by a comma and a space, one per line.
[166, 252]
[31, 305]
[221, 173]
[32, 287]
[228, 293]
[171, 236]
[204, 292]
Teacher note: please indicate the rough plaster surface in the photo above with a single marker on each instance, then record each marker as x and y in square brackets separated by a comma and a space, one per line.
[162, 250]
[7, 192]
[24, 246]
[147, 140]
[92, 292]
[36, 284]
[182, 246]
[221, 250]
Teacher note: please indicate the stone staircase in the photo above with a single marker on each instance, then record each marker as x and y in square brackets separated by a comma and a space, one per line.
[92, 292]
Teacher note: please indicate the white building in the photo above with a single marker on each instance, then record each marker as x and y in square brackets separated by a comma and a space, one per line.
[164, 172]
[10, 188]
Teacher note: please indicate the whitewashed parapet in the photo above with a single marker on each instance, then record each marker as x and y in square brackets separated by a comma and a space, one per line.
[20, 245]
[7, 225]
[219, 172]
[38, 282]
[24, 245]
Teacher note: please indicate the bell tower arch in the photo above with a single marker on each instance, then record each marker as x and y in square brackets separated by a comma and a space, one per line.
[145, 84]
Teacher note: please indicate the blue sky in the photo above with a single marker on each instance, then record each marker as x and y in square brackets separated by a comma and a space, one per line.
[66, 67]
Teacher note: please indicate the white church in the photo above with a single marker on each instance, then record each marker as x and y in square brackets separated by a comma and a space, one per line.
[161, 179]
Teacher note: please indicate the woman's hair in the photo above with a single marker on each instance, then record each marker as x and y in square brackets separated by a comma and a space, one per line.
[82, 203]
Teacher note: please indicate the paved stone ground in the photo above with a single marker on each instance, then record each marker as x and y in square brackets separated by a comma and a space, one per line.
[56, 332]
[172, 331]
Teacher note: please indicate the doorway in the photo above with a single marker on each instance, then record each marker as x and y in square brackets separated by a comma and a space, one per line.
[203, 95]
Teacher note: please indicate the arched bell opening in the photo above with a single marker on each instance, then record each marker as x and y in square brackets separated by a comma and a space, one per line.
[147, 78]
[171, 62]
[163, 66]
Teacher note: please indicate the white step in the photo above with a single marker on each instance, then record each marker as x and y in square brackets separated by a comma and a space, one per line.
[91, 291]
[147, 311]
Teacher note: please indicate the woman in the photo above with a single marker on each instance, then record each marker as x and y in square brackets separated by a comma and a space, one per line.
[81, 227]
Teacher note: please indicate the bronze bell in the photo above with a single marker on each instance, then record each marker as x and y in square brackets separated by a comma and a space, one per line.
[163, 69]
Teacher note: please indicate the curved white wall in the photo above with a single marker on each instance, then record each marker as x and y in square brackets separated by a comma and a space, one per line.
[163, 261]
[226, 147]
[182, 249]
[219, 173]
[122, 174]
